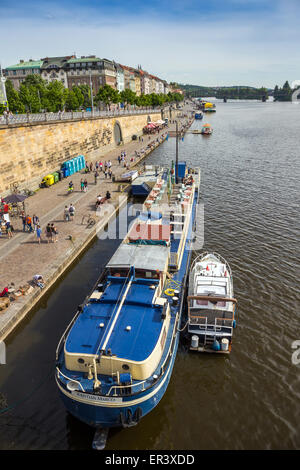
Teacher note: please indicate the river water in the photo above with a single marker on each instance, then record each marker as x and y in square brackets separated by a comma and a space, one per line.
[249, 400]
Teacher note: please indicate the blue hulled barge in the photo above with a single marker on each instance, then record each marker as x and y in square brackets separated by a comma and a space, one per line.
[115, 359]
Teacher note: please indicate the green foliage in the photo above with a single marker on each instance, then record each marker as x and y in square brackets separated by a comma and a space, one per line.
[36, 95]
[56, 96]
[107, 95]
[234, 92]
[30, 98]
[86, 92]
[284, 93]
[128, 96]
[14, 102]
[72, 103]
[242, 93]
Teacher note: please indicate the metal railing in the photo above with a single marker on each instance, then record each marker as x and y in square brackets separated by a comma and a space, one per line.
[59, 372]
[217, 326]
[7, 120]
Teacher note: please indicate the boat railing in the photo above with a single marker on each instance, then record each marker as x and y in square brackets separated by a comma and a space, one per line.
[64, 335]
[219, 257]
[120, 388]
[216, 327]
[59, 372]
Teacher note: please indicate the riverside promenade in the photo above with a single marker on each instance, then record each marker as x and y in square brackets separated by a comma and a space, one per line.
[22, 256]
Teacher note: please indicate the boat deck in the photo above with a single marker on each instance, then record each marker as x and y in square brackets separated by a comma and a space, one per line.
[137, 312]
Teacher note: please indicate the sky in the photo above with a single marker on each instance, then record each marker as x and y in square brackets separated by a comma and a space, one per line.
[210, 43]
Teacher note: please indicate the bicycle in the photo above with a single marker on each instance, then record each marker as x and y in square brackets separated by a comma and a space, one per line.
[90, 220]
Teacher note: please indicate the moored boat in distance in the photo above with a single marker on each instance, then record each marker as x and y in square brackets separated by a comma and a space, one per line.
[199, 115]
[116, 357]
[211, 304]
[206, 129]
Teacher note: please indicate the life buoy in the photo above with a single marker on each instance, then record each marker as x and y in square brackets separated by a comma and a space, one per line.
[169, 292]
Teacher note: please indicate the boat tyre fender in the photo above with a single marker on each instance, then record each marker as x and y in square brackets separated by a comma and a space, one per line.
[170, 292]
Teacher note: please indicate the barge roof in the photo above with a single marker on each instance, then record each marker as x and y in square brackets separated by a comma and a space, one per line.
[138, 312]
[152, 257]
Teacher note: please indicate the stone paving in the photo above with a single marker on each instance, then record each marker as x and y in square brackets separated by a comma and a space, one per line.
[22, 256]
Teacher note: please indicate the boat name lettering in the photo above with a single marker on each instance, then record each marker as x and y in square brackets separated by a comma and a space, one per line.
[97, 397]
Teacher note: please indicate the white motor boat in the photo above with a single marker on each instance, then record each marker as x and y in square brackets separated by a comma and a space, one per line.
[211, 304]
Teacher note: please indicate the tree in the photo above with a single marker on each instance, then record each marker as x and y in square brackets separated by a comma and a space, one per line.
[37, 88]
[86, 92]
[56, 96]
[30, 98]
[107, 95]
[72, 103]
[79, 95]
[284, 93]
[13, 98]
[128, 96]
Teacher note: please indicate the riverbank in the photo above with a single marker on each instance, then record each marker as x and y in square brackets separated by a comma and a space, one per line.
[22, 257]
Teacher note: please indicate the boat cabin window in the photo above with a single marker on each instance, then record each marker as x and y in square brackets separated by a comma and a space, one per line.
[144, 274]
[118, 272]
[205, 302]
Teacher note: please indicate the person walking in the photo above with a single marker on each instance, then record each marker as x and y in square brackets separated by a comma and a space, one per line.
[81, 185]
[85, 185]
[24, 222]
[39, 234]
[8, 229]
[35, 221]
[105, 173]
[54, 233]
[71, 211]
[119, 159]
[48, 233]
[66, 214]
[96, 174]
[29, 224]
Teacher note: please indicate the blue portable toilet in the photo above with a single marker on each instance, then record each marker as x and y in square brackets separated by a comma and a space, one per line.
[76, 166]
[70, 164]
[81, 161]
[66, 172]
[76, 161]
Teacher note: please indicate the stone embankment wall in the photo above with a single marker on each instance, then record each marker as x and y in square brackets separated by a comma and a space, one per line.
[29, 152]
